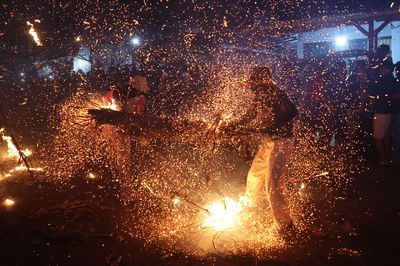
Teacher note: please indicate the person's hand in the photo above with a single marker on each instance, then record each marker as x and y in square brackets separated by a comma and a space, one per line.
[228, 129]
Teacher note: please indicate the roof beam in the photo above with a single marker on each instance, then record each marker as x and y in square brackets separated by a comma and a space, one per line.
[360, 28]
[382, 26]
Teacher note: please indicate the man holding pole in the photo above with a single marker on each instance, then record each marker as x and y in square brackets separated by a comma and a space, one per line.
[273, 112]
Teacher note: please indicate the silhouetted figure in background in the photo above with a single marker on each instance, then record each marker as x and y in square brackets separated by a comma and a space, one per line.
[384, 107]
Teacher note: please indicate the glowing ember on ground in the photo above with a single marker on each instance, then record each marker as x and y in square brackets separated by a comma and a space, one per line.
[34, 34]
[8, 202]
[224, 214]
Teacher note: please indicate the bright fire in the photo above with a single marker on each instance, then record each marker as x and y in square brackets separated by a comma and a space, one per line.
[8, 202]
[224, 214]
[34, 34]
[111, 105]
[12, 151]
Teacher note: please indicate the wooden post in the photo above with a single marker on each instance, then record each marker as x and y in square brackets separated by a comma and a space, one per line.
[371, 36]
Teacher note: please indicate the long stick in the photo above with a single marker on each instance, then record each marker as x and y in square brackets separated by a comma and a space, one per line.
[175, 196]
[22, 156]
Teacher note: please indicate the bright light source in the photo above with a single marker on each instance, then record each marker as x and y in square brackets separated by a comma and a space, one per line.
[135, 41]
[341, 41]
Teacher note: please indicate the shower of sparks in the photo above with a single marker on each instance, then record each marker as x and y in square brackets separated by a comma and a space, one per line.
[214, 55]
[34, 34]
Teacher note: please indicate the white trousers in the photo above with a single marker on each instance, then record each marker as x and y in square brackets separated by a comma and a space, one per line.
[268, 172]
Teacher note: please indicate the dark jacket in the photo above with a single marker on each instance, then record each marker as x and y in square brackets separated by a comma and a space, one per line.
[283, 111]
[382, 92]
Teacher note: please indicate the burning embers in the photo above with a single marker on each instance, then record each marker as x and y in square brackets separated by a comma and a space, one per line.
[16, 154]
[34, 34]
[8, 203]
[13, 152]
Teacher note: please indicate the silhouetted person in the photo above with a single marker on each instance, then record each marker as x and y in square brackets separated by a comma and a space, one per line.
[384, 106]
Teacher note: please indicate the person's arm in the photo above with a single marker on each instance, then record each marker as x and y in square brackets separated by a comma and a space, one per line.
[245, 119]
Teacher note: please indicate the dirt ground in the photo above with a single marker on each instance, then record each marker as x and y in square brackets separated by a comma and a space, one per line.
[76, 225]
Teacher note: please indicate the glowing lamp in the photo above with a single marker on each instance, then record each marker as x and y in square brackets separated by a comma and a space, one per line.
[341, 41]
[135, 41]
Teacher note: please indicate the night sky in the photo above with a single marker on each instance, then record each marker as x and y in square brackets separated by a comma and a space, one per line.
[114, 21]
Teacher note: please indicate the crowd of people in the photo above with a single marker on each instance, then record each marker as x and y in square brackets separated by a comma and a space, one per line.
[360, 108]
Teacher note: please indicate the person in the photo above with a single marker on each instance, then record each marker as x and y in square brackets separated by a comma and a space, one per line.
[336, 94]
[383, 90]
[274, 113]
[378, 56]
[136, 103]
[358, 115]
[396, 120]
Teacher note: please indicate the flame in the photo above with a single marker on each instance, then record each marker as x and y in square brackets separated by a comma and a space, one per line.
[8, 202]
[12, 151]
[224, 214]
[34, 34]
[18, 169]
[111, 105]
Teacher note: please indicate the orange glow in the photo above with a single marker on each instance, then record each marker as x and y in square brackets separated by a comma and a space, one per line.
[34, 34]
[8, 202]
[224, 214]
[12, 151]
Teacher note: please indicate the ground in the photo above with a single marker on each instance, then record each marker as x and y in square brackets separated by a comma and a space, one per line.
[78, 225]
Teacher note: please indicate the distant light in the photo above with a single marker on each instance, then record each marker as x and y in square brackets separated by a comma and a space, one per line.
[78, 39]
[135, 41]
[22, 74]
[341, 41]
